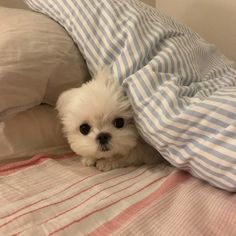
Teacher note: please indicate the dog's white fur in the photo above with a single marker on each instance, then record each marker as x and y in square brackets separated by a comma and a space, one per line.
[97, 103]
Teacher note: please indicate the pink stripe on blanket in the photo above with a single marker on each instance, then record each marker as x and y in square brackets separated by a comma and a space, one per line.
[61, 201]
[110, 226]
[179, 177]
[87, 199]
[43, 199]
[38, 159]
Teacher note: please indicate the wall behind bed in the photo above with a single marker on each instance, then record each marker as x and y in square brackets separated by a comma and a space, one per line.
[215, 20]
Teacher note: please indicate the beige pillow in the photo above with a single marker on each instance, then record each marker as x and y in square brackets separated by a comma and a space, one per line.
[38, 61]
[31, 132]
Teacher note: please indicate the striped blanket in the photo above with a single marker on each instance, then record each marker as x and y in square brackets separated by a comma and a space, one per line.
[182, 90]
[57, 196]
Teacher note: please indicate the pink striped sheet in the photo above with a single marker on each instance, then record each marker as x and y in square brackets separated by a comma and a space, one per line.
[51, 193]
[109, 227]
[12, 167]
[57, 202]
[104, 207]
[93, 207]
[193, 208]
[58, 196]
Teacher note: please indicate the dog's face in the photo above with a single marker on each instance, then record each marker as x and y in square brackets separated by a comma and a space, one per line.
[97, 119]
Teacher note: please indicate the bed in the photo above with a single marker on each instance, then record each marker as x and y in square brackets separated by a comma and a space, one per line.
[44, 189]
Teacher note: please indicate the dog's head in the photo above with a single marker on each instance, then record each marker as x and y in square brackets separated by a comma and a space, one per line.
[97, 118]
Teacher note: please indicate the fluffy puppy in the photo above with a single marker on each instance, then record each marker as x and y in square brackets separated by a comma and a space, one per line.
[98, 123]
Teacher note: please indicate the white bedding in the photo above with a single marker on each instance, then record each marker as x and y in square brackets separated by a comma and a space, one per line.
[37, 130]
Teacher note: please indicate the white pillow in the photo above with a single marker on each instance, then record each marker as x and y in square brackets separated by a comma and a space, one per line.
[31, 132]
[38, 61]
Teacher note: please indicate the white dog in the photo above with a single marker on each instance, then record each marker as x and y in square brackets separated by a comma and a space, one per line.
[99, 125]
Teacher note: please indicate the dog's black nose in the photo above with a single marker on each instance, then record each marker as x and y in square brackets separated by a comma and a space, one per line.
[103, 138]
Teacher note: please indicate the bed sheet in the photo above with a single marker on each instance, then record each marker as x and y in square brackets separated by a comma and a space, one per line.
[55, 195]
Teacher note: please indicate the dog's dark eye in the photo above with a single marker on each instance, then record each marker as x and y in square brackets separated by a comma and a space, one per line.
[119, 123]
[84, 128]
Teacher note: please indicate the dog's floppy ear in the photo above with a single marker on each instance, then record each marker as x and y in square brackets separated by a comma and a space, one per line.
[64, 100]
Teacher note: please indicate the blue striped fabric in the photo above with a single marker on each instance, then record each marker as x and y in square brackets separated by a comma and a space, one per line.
[183, 91]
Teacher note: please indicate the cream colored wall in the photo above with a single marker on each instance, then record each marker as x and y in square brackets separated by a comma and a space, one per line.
[150, 2]
[215, 20]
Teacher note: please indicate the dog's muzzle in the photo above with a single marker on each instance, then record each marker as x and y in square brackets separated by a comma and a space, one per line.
[103, 139]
